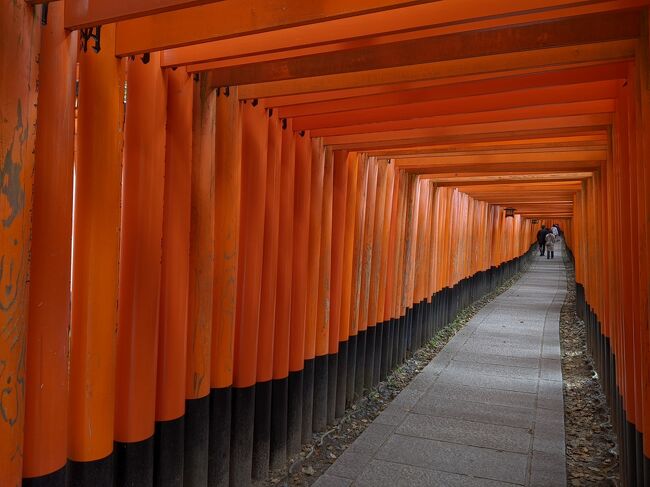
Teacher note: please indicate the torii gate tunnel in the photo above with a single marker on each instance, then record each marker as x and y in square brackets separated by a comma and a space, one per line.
[223, 221]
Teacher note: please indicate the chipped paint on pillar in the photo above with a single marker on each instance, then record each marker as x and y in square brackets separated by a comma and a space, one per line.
[19, 41]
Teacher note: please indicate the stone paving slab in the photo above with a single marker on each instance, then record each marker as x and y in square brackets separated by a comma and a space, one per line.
[487, 411]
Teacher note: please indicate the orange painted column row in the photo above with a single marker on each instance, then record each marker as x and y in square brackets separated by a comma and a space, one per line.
[609, 239]
[264, 280]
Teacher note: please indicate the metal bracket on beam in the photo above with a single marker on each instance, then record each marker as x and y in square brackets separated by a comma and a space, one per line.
[44, 10]
[93, 33]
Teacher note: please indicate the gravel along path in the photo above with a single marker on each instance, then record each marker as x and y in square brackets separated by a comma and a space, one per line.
[592, 449]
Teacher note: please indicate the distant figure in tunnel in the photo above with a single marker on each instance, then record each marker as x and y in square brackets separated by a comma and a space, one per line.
[541, 239]
[550, 244]
[556, 230]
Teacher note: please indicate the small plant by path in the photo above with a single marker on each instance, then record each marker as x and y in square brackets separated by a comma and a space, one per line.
[316, 457]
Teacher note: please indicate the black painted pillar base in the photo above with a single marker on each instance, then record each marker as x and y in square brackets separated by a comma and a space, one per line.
[341, 379]
[262, 430]
[294, 416]
[219, 442]
[319, 419]
[169, 452]
[197, 422]
[401, 342]
[376, 364]
[414, 339]
[408, 344]
[97, 473]
[369, 365]
[134, 463]
[630, 452]
[307, 401]
[351, 370]
[279, 414]
[53, 479]
[241, 435]
[332, 382]
[360, 366]
[385, 349]
[639, 458]
[390, 345]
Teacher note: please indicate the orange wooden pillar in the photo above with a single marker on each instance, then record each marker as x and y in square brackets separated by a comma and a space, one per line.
[46, 383]
[279, 394]
[249, 278]
[98, 175]
[419, 270]
[375, 330]
[366, 340]
[143, 179]
[640, 237]
[430, 267]
[19, 47]
[425, 246]
[200, 281]
[345, 384]
[321, 364]
[381, 317]
[226, 214]
[389, 315]
[410, 238]
[313, 262]
[263, 387]
[399, 333]
[355, 374]
[174, 282]
[337, 347]
[300, 273]
[643, 114]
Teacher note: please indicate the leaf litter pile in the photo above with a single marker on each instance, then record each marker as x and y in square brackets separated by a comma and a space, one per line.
[591, 445]
[316, 457]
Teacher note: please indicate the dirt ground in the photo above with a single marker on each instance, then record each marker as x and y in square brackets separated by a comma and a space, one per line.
[316, 457]
[591, 446]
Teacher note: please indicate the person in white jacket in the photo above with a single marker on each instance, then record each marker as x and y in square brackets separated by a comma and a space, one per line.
[550, 243]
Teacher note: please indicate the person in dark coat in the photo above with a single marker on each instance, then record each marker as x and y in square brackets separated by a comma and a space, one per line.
[541, 240]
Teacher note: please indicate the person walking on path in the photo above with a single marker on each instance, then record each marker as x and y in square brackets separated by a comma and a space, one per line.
[541, 239]
[550, 244]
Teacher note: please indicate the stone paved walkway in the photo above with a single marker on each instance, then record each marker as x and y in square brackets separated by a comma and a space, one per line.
[487, 411]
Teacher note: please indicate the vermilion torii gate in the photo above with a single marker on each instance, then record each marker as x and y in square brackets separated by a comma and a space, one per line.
[223, 221]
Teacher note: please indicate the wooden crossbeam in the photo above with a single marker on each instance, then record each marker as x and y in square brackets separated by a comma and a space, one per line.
[455, 70]
[564, 32]
[415, 21]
